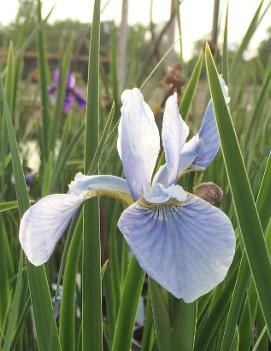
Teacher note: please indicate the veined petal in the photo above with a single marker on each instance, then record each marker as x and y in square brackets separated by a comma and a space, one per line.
[44, 223]
[138, 142]
[200, 150]
[189, 153]
[187, 248]
[174, 134]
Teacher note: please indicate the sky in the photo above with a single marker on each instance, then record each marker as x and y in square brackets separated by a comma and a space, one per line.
[196, 16]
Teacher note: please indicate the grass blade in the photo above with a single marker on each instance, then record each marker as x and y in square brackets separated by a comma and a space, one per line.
[225, 63]
[243, 277]
[246, 39]
[184, 325]
[248, 218]
[39, 290]
[148, 333]
[43, 87]
[128, 307]
[92, 332]
[161, 318]
[190, 88]
[67, 309]
[6, 206]
[61, 94]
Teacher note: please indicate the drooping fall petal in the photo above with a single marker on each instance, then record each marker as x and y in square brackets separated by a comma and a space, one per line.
[44, 223]
[186, 248]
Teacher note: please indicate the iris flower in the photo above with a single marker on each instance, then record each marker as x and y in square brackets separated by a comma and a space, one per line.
[180, 240]
[71, 93]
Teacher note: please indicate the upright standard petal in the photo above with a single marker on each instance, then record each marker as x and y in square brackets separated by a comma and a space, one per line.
[138, 142]
[200, 150]
[70, 82]
[174, 134]
[187, 248]
[44, 223]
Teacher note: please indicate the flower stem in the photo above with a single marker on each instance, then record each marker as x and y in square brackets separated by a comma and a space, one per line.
[128, 307]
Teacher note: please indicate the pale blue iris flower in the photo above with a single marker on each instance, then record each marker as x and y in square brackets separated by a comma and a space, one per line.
[183, 242]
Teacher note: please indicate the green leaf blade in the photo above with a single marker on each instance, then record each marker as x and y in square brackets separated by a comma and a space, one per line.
[92, 327]
[248, 218]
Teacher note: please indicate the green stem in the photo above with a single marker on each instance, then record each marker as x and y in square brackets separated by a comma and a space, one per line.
[67, 308]
[128, 307]
[92, 326]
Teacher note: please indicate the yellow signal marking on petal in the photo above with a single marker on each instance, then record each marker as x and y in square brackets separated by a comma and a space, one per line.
[171, 202]
[120, 196]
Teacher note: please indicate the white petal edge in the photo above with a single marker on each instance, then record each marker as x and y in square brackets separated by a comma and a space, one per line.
[225, 89]
[138, 141]
[44, 223]
[83, 183]
[174, 134]
[160, 194]
[187, 250]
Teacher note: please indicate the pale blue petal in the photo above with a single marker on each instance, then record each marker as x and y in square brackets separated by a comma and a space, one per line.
[174, 134]
[208, 135]
[83, 183]
[189, 154]
[138, 142]
[187, 249]
[200, 151]
[44, 223]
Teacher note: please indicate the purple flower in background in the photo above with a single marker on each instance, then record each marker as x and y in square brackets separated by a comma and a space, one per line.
[180, 240]
[71, 93]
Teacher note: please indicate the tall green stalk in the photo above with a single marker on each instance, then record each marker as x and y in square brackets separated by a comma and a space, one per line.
[92, 332]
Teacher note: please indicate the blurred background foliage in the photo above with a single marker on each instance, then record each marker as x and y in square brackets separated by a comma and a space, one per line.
[140, 43]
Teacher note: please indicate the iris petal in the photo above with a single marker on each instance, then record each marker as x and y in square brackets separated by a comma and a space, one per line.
[186, 248]
[44, 223]
[138, 142]
[70, 82]
[83, 183]
[200, 150]
[68, 102]
[159, 194]
[174, 134]
[79, 99]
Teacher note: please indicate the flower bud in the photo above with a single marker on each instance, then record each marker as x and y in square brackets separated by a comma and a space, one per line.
[209, 192]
